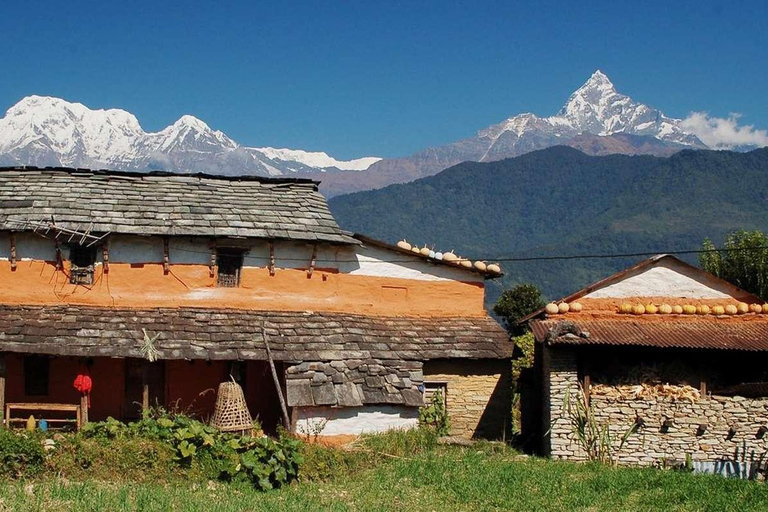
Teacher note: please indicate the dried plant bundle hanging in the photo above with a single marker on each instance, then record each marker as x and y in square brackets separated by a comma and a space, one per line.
[148, 349]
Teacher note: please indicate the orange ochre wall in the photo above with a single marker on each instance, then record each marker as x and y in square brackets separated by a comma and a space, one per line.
[190, 386]
[146, 285]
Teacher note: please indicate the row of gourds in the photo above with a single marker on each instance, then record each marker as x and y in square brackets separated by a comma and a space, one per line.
[665, 309]
[688, 309]
[563, 307]
[450, 257]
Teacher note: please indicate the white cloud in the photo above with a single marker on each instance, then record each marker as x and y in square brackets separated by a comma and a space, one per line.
[723, 133]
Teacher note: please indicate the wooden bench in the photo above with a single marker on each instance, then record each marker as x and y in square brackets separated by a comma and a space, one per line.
[10, 407]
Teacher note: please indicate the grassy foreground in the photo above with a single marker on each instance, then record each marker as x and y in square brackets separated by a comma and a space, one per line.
[442, 478]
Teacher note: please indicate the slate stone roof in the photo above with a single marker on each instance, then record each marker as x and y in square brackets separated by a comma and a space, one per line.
[161, 203]
[197, 333]
[355, 382]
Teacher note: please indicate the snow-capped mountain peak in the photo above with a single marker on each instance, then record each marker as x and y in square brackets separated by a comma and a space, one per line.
[42, 130]
[595, 108]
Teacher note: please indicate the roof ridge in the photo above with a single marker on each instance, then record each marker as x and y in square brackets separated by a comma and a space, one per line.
[140, 174]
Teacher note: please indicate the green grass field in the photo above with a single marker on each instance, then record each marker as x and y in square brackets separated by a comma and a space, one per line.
[441, 478]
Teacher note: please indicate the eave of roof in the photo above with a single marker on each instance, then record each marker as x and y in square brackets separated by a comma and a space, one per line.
[138, 174]
[741, 333]
[204, 333]
[391, 247]
[167, 204]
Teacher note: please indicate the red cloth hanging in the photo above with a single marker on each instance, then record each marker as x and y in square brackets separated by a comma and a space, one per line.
[84, 384]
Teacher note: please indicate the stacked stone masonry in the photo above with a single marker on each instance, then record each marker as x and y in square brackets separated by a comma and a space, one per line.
[651, 444]
[354, 382]
[478, 398]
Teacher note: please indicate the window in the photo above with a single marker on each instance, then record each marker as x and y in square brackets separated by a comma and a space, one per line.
[431, 388]
[36, 375]
[82, 260]
[229, 263]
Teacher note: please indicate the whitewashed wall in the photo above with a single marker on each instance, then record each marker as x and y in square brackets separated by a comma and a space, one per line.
[358, 260]
[368, 419]
[668, 278]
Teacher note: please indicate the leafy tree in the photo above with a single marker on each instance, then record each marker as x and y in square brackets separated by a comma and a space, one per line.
[516, 303]
[742, 260]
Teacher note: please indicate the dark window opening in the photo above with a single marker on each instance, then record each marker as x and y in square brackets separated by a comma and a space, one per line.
[432, 388]
[229, 263]
[82, 261]
[36, 370]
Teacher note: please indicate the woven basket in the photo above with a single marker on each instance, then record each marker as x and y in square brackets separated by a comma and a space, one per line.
[231, 413]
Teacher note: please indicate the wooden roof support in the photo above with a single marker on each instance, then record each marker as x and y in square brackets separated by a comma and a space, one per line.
[278, 387]
[166, 255]
[313, 261]
[271, 258]
[59, 258]
[13, 251]
[105, 255]
[212, 263]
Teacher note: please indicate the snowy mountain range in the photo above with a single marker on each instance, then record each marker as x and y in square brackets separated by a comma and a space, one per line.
[45, 131]
[596, 119]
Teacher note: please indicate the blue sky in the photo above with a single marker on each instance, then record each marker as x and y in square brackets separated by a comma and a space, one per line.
[380, 78]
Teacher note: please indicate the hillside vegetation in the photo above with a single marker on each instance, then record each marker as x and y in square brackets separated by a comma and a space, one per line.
[560, 202]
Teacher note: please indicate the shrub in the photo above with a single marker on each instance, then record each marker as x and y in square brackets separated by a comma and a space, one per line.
[435, 415]
[266, 463]
[21, 454]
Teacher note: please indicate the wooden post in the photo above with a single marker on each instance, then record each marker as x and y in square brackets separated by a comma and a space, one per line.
[166, 255]
[144, 387]
[286, 418]
[2, 386]
[13, 251]
[83, 410]
[587, 384]
[271, 258]
[105, 256]
[313, 261]
[212, 263]
[703, 387]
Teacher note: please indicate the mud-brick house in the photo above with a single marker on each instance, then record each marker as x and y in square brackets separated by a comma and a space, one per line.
[214, 268]
[663, 350]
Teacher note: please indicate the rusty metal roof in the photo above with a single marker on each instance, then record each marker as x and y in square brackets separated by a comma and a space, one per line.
[712, 333]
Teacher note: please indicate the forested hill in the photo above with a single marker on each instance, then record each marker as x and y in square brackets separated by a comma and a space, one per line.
[559, 202]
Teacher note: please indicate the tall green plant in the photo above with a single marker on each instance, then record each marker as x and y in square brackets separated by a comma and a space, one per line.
[435, 415]
[594, 438]
[742, 260]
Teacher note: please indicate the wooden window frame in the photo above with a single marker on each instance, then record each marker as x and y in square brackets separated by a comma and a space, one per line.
[82, 262]
[229, 266]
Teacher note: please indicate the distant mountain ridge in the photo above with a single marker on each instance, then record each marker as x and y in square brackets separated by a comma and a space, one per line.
[42, 131]
[595, 119]
[561, 202]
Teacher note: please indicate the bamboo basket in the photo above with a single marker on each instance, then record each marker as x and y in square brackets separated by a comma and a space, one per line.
[231, 413]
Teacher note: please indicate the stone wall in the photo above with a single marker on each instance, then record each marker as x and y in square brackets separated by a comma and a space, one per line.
[478, 395]
[652, 444]
[561, 382]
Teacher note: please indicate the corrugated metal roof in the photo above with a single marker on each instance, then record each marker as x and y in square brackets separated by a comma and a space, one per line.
[717, 334]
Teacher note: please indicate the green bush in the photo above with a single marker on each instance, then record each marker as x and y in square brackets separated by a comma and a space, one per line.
[264, 462]
[21, 454]
[435, 415]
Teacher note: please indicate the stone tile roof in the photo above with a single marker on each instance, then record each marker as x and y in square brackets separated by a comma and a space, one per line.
[197, 333]
[160, 203]
[355, 382]
[748, 333]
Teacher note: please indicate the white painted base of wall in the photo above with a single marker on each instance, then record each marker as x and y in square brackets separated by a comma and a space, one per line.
[368, 419]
